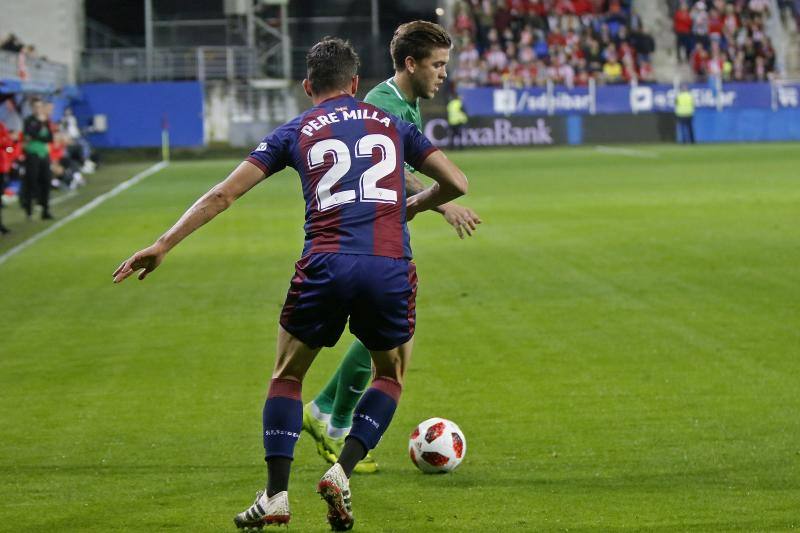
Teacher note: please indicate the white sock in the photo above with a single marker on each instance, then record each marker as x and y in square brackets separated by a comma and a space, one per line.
[337, 433]
[319, 415]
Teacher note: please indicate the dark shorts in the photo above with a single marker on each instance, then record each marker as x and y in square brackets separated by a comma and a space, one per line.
[377, 293]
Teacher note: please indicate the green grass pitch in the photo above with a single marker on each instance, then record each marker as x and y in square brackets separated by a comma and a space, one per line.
[620, 343]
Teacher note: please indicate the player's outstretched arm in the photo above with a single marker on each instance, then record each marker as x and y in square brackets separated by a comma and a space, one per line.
[462, 218]
[450, 184]
[212, 203]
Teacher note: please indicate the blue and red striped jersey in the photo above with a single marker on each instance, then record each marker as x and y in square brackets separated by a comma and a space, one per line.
[349, 155]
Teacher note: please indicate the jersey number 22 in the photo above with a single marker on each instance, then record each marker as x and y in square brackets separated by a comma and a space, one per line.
[368, 184]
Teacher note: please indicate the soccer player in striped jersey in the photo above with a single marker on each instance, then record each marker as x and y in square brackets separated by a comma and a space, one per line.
[420, 52]
[356, 263]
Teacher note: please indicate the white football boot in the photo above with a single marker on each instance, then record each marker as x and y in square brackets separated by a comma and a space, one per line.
[334, 487]
[265, 511]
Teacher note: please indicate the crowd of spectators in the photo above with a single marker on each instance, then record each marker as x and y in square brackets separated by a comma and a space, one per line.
[725, 39]
[37, 152]
[66, 156]
[524, 43]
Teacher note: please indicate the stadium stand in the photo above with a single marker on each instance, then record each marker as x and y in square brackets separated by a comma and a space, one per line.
[523, 43]
[725, 39]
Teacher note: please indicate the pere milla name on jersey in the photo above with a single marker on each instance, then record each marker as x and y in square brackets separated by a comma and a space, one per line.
[342, 114]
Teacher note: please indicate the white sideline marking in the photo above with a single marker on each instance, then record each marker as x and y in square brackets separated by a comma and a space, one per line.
[64, 197]
[84, 209]
[628, 152]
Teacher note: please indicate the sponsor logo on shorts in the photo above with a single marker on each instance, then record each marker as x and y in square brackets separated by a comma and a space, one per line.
[261, 147]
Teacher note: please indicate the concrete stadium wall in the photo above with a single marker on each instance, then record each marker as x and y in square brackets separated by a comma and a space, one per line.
[54, 27]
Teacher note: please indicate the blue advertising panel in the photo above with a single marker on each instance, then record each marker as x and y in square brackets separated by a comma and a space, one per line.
[747, 125]
[488, 101]
[618, 99]
[136, 112]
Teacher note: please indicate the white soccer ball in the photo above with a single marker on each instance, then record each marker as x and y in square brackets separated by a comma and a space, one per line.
[437, 445]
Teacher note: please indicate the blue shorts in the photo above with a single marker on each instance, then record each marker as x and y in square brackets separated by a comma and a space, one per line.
[377, 293]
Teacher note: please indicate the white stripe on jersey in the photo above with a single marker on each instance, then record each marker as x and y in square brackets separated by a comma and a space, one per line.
[390, 84]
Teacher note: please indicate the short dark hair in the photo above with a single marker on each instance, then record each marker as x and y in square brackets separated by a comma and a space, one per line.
[417, 39]
[331, 64]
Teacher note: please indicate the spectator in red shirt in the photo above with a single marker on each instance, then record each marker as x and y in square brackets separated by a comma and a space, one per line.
[715, 23]
[582, 7]
[556, 38]
[6, 144]
[682, 23]
[537, 8]
[699, 60]
[564, 7]
[730, 20]
[464, 24]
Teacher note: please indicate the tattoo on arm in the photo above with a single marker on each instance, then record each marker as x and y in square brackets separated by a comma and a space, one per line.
[413, 184]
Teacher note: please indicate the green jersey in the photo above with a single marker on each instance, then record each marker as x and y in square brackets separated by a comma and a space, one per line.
[387, 96]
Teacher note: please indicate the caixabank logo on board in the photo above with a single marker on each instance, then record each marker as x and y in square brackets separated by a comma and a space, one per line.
[486, 131]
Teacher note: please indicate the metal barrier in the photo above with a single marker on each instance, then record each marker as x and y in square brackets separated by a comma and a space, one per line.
[36, 69]
[202, 63]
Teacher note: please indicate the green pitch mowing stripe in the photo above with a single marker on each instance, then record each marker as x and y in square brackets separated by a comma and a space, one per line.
[619, 343]
[62, 203]
[81, 210]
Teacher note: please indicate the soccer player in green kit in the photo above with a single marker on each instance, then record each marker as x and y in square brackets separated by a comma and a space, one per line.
[420, 52]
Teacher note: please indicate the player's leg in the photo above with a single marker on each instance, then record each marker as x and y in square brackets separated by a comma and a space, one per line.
[29, 185]
[374, 412]
[317, 415]
[327, 418]
[372, 417]
[44, 187]
[353, 376]
[321, 406]
[383, 316]
[282, 419]
[312, 316]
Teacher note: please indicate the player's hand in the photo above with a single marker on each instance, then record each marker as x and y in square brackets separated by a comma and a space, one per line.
[463, 219]
[145, 260]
